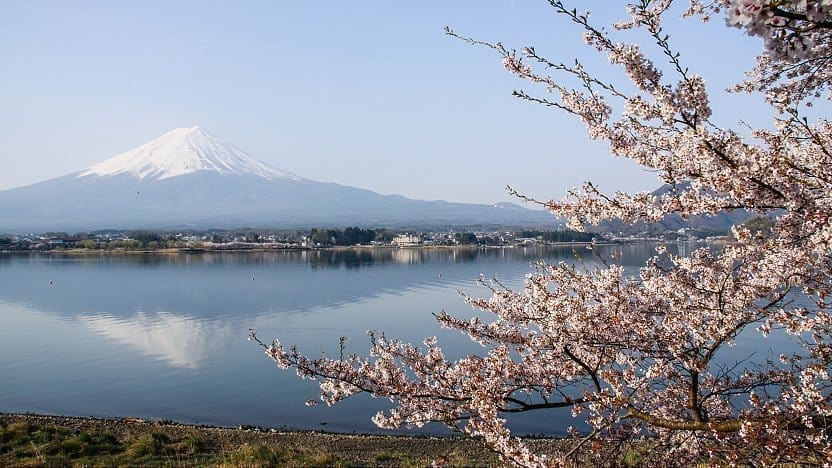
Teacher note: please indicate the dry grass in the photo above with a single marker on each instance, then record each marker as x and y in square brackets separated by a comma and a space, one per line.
[31, 440]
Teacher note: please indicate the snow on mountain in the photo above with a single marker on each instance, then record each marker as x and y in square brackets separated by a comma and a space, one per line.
[184, 151]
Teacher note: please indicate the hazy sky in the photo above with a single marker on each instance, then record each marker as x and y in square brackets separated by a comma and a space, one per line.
[364, 93]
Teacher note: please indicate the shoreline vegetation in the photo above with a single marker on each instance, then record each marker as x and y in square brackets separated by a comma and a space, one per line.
[253, 239]
[246, 249]
[209, 249]
[247, 239]
[46, 440]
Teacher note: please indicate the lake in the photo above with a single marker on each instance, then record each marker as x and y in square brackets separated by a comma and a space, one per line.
[164, 336]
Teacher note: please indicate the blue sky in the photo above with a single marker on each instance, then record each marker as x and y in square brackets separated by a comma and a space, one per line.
[365, 93]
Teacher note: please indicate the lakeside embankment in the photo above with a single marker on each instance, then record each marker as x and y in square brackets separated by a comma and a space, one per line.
[43, 440]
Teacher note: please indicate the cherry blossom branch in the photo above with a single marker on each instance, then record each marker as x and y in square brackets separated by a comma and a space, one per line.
[651, 357]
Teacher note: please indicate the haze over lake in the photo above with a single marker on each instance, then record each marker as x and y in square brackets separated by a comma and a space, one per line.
[165, 336]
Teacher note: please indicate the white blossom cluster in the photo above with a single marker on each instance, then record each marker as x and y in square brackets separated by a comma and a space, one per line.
[648, 363]
[785, 25]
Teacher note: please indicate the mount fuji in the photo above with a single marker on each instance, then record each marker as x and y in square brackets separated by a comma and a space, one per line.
[188, 178]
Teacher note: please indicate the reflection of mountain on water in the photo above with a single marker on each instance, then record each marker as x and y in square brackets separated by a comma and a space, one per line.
[215, 285]
[180, 341]
[163, 336]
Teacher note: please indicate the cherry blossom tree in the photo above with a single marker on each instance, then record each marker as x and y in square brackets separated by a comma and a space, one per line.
[647, 363]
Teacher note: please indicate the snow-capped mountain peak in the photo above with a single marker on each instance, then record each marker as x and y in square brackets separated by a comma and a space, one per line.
[184, 151]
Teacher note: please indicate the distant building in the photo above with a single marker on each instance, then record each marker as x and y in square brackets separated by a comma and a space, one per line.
[405, 240]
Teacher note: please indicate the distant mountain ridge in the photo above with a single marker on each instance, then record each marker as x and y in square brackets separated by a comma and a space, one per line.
[188, 178]
[718, 223]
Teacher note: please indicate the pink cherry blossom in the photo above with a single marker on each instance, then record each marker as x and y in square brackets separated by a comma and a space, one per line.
[650, 360]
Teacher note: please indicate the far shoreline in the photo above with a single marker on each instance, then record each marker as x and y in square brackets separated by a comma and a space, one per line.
[209, 250]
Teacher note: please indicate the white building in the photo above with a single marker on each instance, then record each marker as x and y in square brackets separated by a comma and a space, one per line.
[404, 240]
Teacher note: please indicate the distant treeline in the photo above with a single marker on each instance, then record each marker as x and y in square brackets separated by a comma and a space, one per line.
[322, 237]
[545, 236]
[125, 240]
[129, 244]
[135, 240]
[566, 235]
[350, 236]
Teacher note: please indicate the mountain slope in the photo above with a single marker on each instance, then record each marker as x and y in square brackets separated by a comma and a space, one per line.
[719, 223]
[189, 178]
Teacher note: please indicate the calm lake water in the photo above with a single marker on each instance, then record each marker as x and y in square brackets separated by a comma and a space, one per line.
[165, 336]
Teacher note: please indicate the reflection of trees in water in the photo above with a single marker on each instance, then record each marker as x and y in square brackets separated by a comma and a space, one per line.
[630, 255]
[221, 284]
[626, 254]
[636, 253]
[358, 258]
[348, 258]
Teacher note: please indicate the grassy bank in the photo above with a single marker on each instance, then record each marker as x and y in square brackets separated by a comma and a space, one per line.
[34, 440]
